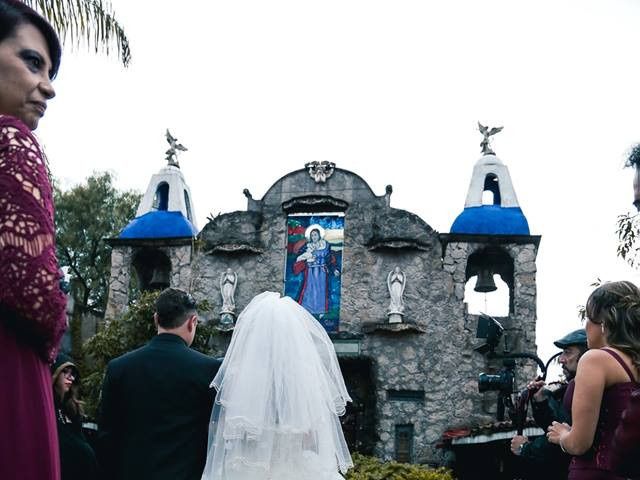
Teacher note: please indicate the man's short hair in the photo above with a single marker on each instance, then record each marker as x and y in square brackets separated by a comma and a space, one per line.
[174, 307]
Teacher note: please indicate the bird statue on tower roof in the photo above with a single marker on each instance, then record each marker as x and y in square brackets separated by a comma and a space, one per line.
[175, 147]
[486, 149]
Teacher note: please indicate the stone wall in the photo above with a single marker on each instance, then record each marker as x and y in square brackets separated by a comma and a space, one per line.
[430, 355]
[121, 258]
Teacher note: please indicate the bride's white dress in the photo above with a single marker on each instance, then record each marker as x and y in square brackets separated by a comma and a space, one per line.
[280, 393]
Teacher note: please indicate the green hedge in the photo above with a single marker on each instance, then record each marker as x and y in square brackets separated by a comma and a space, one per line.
[369, 468]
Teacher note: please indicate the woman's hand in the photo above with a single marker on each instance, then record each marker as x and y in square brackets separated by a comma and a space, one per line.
[557, 431]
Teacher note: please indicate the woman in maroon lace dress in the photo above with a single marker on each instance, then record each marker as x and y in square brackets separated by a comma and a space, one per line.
[605, 379]
[32, 307]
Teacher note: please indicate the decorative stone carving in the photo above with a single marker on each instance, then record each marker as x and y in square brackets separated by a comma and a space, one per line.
[228, 283]
[396, 281]
[320, 171]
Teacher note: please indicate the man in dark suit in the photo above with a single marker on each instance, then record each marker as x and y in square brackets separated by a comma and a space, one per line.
[156, 401]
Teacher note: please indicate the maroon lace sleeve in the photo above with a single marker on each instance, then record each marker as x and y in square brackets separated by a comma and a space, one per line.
[29, 278]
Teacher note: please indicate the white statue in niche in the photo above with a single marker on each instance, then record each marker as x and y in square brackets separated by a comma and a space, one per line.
[396, 281]
[228, 282]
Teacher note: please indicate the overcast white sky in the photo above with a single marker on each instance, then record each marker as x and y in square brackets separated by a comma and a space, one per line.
[391, 90]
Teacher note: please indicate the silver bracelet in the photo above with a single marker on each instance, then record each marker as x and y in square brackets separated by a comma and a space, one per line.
[562, 446]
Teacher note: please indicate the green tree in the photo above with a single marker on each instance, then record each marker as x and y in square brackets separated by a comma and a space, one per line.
[90, 21]
[628, 230]
[85, 216]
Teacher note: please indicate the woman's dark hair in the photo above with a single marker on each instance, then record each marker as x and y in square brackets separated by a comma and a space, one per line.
[70, 404]
[616, 306]
[14, 13]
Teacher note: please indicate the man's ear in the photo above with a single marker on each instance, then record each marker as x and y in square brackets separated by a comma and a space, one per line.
[155, 319]
[192, 322]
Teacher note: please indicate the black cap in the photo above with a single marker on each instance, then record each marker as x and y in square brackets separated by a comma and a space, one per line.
[63, 361]
[577, 337]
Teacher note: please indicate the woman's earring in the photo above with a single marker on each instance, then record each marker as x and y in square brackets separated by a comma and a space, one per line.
[602, 327]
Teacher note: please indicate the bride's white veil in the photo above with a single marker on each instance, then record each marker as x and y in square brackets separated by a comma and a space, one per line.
[279, 395]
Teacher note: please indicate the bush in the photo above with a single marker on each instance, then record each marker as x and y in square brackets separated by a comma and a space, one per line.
[369, 468]
[118, 337]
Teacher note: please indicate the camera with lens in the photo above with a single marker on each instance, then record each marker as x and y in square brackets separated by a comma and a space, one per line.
[503, 381]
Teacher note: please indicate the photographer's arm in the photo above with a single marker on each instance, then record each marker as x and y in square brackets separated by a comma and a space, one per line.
[547, 411]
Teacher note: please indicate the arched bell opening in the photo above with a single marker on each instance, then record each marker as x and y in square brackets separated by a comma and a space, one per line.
[489, 282]
[161, 198]
[152, 270]
[491, 190]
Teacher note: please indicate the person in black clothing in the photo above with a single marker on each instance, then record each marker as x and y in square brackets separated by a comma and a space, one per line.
[156, 401]
[542, 458]
[77, 458]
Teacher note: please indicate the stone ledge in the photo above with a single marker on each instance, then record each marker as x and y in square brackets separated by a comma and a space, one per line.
[403, 327]
[234, 248]
[398, 245]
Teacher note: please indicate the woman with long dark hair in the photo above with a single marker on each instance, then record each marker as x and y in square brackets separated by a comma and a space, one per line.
[32, 306]
[77, 458]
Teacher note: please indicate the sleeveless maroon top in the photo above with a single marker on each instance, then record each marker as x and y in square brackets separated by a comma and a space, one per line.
[596, 463]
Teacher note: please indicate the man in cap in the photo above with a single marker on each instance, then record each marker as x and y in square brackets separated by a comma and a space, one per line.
[542, 457]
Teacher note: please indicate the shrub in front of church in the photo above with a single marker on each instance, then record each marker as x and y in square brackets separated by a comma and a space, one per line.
[118, 337]
[370, 468]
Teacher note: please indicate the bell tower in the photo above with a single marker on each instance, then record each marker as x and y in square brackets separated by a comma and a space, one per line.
[490, 240]
[154, 250]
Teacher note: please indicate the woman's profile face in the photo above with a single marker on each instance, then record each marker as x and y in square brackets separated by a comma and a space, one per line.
[64, 381]
[315, 235]
[25, 64]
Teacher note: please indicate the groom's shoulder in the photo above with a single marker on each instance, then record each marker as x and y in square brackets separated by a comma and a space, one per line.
[201, 358]
[126, 358]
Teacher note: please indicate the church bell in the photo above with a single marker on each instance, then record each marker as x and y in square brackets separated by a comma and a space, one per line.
[159, 279]
[485, 282]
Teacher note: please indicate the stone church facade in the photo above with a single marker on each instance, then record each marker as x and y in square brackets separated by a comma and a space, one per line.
[410, 366]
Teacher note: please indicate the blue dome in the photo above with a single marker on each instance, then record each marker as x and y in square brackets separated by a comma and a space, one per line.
[159, 224]
[491, 220]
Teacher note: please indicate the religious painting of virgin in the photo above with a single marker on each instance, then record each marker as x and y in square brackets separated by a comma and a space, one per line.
[314, 264]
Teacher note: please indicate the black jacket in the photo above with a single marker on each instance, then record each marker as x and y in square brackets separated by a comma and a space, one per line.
[544, 459]
[77, 458]
[155, 410]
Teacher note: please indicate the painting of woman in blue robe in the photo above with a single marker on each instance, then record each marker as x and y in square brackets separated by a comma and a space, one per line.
[314, 264]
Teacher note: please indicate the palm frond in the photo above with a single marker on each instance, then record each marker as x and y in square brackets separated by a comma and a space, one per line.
[89, 21]
[633, 159]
